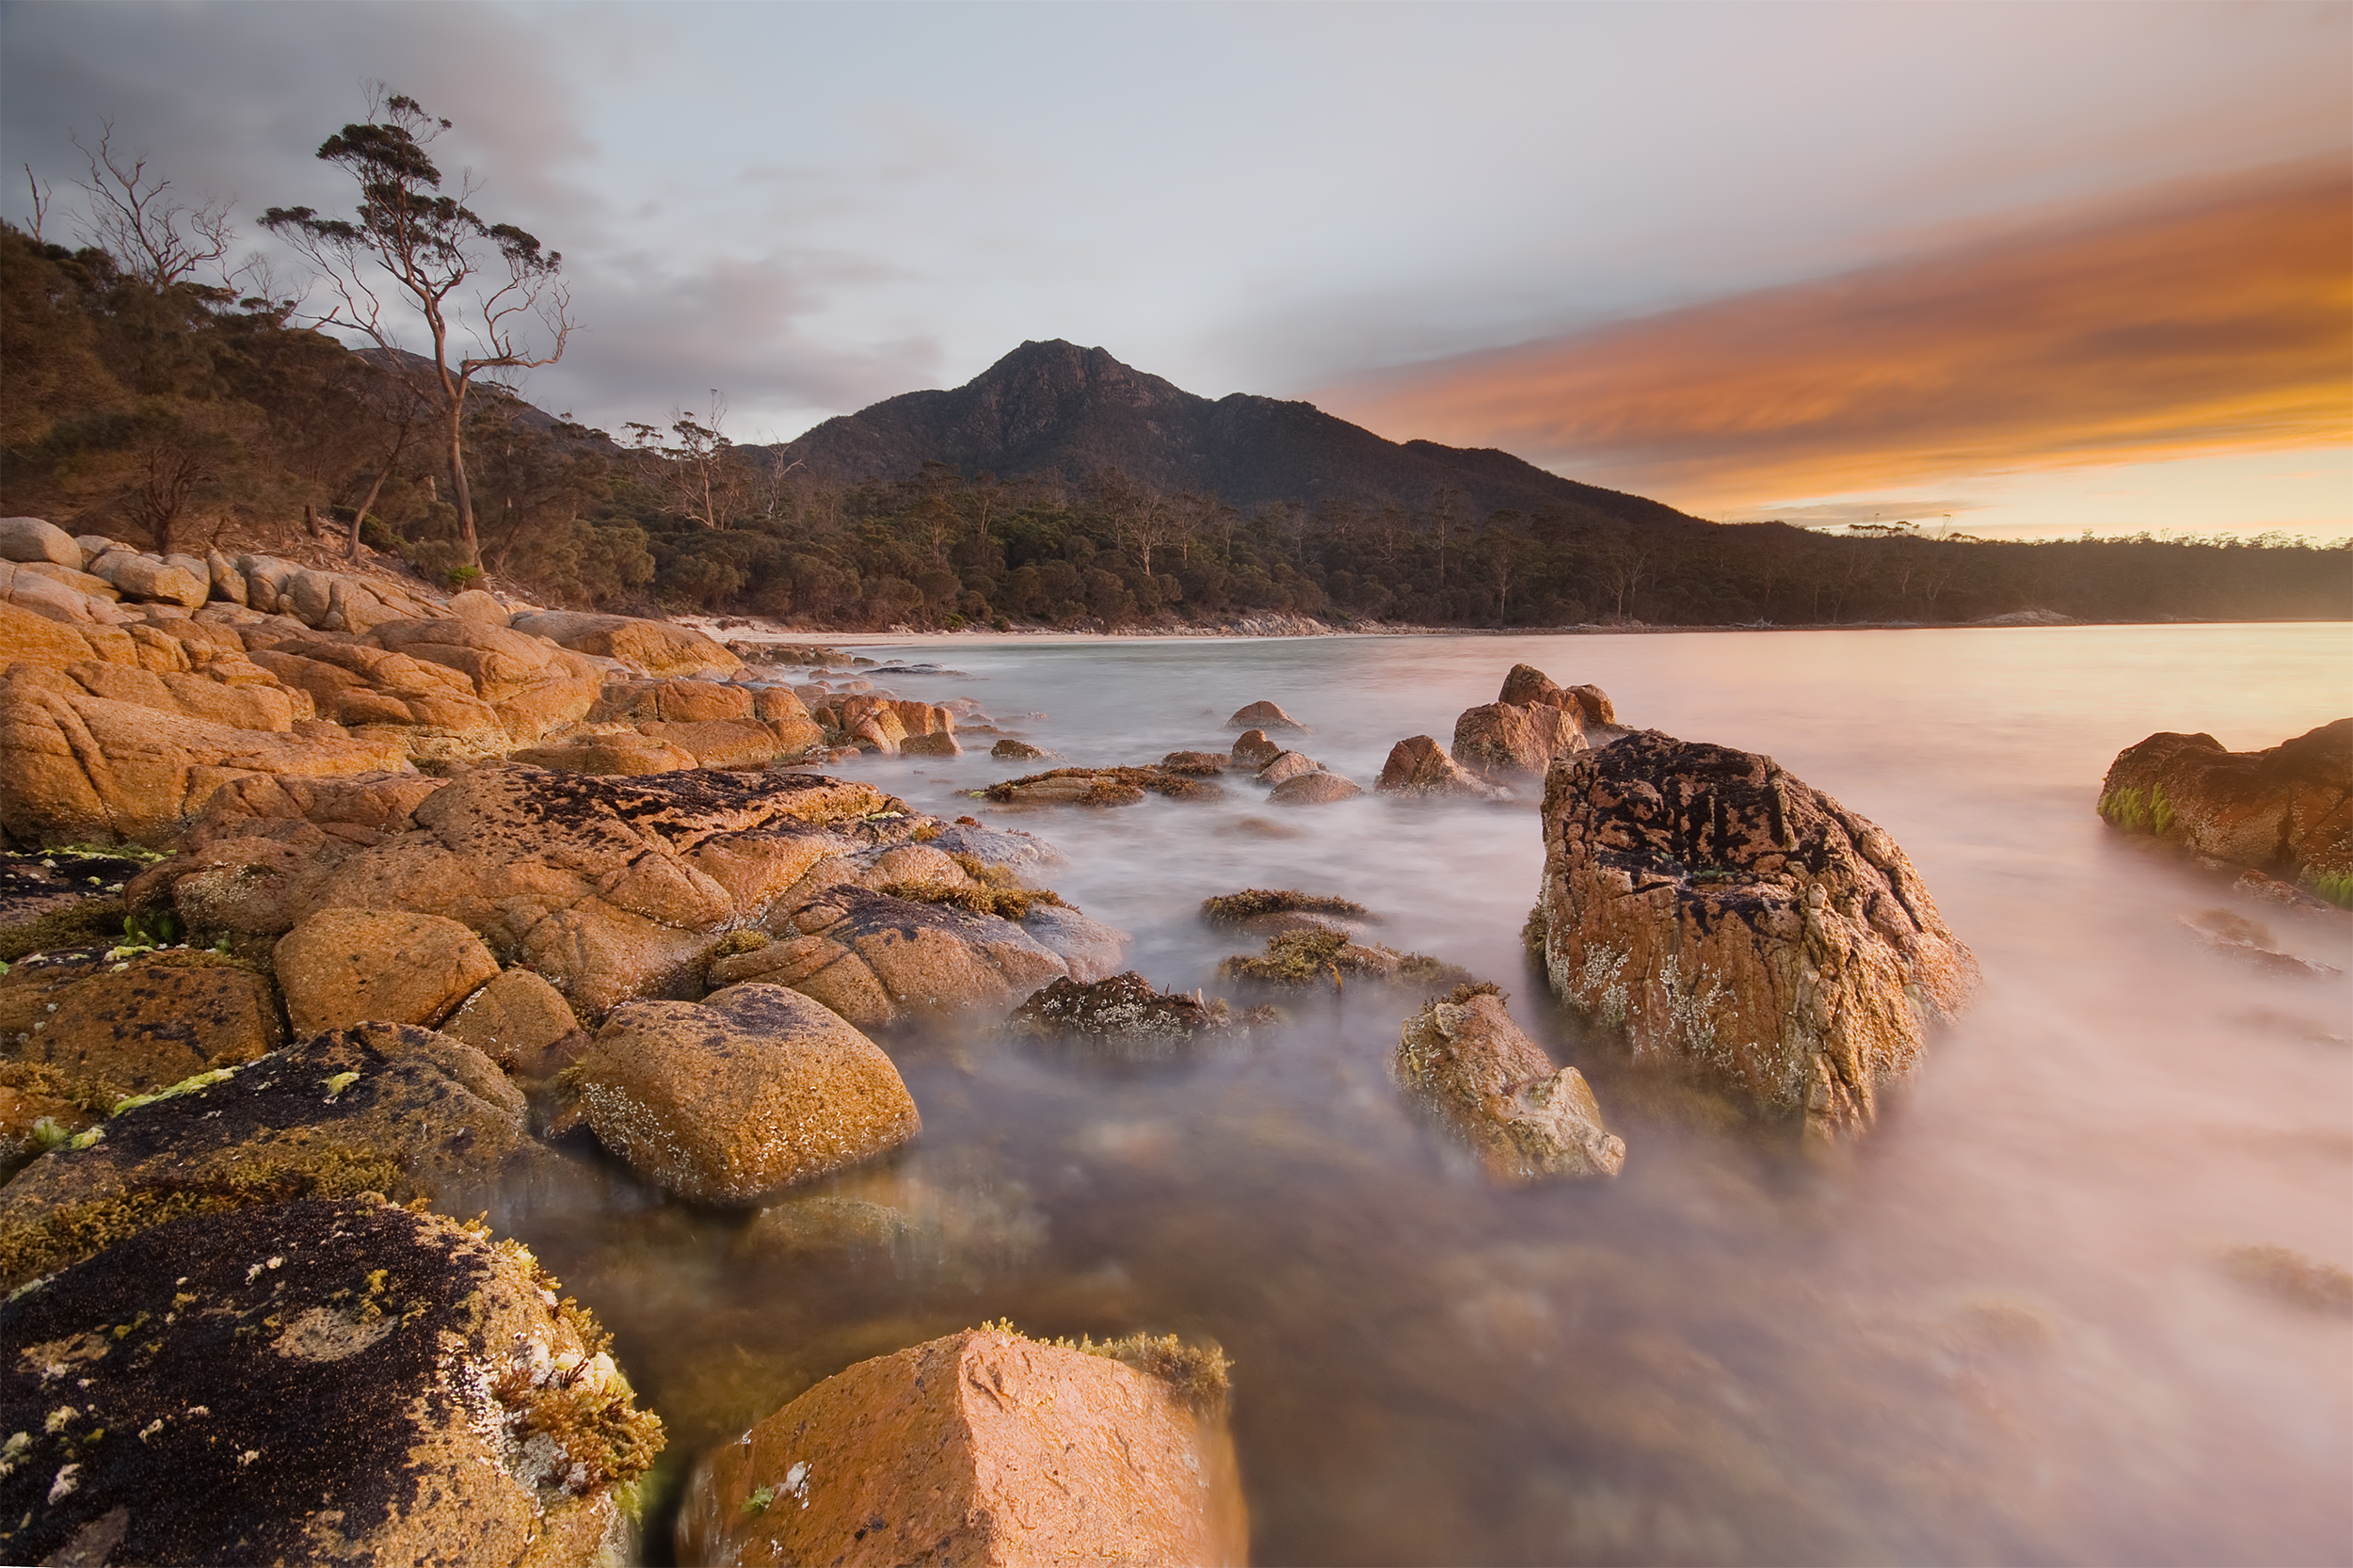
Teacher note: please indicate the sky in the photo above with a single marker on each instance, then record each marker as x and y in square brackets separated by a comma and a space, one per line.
[2007, 269]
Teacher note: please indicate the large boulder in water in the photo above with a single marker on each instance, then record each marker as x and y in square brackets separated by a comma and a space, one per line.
[1728, 919]
[982, 1448]
[2289, 808]
[313, 1382]
[1464, 1056]
[755, 1088]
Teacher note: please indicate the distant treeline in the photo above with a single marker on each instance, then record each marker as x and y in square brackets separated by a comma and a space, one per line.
[177, 415]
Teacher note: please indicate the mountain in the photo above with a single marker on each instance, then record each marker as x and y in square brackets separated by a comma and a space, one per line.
[1057, 405]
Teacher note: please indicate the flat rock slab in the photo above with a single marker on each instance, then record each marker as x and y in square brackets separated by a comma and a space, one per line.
[753, 1089]
[981, 1447]
[312, 1382]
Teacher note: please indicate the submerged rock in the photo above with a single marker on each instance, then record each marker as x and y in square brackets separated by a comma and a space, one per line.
[1011, 750]
[1464, 1057]
[2289, 808]
[755, 1088]
[1270, 911]
[1125, 1011]
[1261, 715]
[2250, 943]
[1314, 789]
[984, 1446]
[1728, 919]
[1100, 787]
[312, 1382]
[1313, 958]
[876, 958]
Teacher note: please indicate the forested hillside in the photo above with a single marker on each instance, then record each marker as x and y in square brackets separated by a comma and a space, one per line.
[177, 415]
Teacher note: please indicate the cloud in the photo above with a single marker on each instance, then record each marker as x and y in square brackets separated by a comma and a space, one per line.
[2198, 320]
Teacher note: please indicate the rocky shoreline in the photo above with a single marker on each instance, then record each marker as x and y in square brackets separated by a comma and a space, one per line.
[334, 909]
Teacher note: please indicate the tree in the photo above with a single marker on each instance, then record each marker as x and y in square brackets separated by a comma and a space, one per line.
[704, 478]
[151, 234]
[445, 265]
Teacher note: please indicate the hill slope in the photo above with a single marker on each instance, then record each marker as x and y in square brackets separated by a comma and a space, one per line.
[1057, 405]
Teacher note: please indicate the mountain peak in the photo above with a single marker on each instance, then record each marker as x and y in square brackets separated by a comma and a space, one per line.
[1056, 404]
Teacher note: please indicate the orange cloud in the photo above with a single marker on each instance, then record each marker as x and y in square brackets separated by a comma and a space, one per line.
[2199, 321]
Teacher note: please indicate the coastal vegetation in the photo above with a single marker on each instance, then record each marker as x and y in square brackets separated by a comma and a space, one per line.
[140, 401]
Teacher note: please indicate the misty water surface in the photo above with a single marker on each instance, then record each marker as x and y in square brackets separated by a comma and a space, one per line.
[2003, 1332]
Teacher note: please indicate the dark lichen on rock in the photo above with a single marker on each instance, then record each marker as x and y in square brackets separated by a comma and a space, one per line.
[315, 1380]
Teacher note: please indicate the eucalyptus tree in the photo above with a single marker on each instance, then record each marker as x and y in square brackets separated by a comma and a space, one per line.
[413, 255]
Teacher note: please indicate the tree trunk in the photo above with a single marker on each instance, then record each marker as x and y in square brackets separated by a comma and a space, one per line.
[460, 492]
[361, 516]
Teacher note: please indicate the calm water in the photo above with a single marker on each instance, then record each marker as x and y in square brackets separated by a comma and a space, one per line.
[2002, 1333]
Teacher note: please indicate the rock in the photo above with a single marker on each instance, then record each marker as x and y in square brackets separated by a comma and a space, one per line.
[30, 637]
[1261, 715]
[876, 959]
[79, 769]
[518, 1021]
[1419, 766]
[140, 1023]
[650, 647]
[982, 1446]
[615, 753]
[1014, 851]
[937, 743]
[1254, 749]
[318, 1380]
[61, 901]
[1503, 743]
[718, 743]
[1284, 765]
[138, 576]
[1728, 919]
[2270, 889]
[611, 888]
[2288, 809]
[1198, 765]
[1527, 686]
[1319, 957]
[1314, 789]
[34, 540]
[46, 594]
[1464, 1057]
[1088, 947]
[382, 1108]
[1270, 911]
[756, 1088]
[675, 701]
[1011, 750]
[2249, 942]
[476, 605]
[1123, 1012]
[1100, 787]
[228, 581]
[92, 546]
[345, 967]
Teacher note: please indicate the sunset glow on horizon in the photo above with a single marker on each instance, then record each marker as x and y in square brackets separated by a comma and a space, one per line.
[2201, 323]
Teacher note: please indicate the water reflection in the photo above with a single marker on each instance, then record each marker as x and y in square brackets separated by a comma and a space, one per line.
[2005, 1330]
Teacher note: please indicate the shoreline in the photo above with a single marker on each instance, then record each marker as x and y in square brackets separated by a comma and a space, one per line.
[749, 628]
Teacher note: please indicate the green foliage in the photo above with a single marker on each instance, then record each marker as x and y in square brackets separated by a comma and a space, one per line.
[1006, 902]
[2336, 887]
